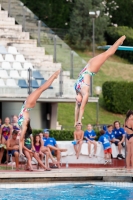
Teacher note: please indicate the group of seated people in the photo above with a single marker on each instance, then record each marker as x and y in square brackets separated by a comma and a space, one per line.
[112, 133]
[37, 146]
[42, 144]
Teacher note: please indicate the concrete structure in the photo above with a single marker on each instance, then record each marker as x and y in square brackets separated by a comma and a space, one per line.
[12, 35]
[69, 156]
[68, 174]
[45, 113]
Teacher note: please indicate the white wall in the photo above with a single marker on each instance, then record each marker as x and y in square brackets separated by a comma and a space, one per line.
[38, 114]
[13, 108]
[53, 115]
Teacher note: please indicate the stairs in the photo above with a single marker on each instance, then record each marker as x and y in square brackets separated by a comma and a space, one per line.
[30, 24]
[11, 35]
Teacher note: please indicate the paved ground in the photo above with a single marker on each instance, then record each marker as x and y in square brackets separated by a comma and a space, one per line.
[68, 172]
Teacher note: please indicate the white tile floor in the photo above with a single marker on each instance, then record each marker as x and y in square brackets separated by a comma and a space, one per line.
[41, 185]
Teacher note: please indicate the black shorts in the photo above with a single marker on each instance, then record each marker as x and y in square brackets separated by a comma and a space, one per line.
[12, 152]
[116, 142]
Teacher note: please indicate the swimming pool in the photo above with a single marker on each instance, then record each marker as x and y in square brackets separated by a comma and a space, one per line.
[73, 191]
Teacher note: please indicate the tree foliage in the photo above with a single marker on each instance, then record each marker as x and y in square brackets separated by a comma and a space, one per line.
[121, 12]
[80, 32]
[55, 13]
[113, 96]
[72, 15]
[61, 135]
[113, 33]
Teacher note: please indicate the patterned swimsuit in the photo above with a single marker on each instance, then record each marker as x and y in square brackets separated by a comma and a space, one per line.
[21, 117]
[80, 81]
[6, 132]
[15, 126]
[27, 143]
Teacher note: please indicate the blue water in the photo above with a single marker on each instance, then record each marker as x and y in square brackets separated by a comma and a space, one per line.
[69, 192]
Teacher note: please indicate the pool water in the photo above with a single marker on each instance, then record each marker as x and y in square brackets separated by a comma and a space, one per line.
[69, 192]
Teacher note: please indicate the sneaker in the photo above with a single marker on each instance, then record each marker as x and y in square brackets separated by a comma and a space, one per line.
[11, 163]
[120, 157]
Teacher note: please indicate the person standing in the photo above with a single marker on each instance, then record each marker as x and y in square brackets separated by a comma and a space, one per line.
[5, 134]
[129, 139]
[90, 136]
[78, 139]
[105, 140]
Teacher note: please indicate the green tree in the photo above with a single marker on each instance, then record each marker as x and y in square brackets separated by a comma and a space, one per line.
[121, 12]
[54, 13]
[80, 33]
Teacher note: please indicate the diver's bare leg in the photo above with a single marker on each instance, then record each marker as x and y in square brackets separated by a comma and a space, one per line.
[32, 98]
[96, 62]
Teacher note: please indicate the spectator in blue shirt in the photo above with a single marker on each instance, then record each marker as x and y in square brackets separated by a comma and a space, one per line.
[110, 133]
[90, 136]
[105, 140]
[104, 127]
[119, 134]
[51, 143]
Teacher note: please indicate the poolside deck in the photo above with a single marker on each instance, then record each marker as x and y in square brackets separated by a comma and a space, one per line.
[68, 174]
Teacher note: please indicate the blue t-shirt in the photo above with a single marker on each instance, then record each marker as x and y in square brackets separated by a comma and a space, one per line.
[89, 133]
[118, 132]
[49, 141]
[111, 135]
[44, 140]
[104, 139]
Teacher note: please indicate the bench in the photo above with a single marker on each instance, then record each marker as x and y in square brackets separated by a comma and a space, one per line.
[69, 155]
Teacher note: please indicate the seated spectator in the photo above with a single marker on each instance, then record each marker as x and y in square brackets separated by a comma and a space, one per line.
[15, 125]
[78, 139]
[29, 150]
[51, 143]
[41, 136]
[37, 143]
[13, 147]
[110, 133]
[119, 134]
[5, 133]
[104, 139]
[90, 136]
[41, 150]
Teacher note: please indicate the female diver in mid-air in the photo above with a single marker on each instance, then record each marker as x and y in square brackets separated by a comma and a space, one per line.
[83, 82]
[30, 102]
